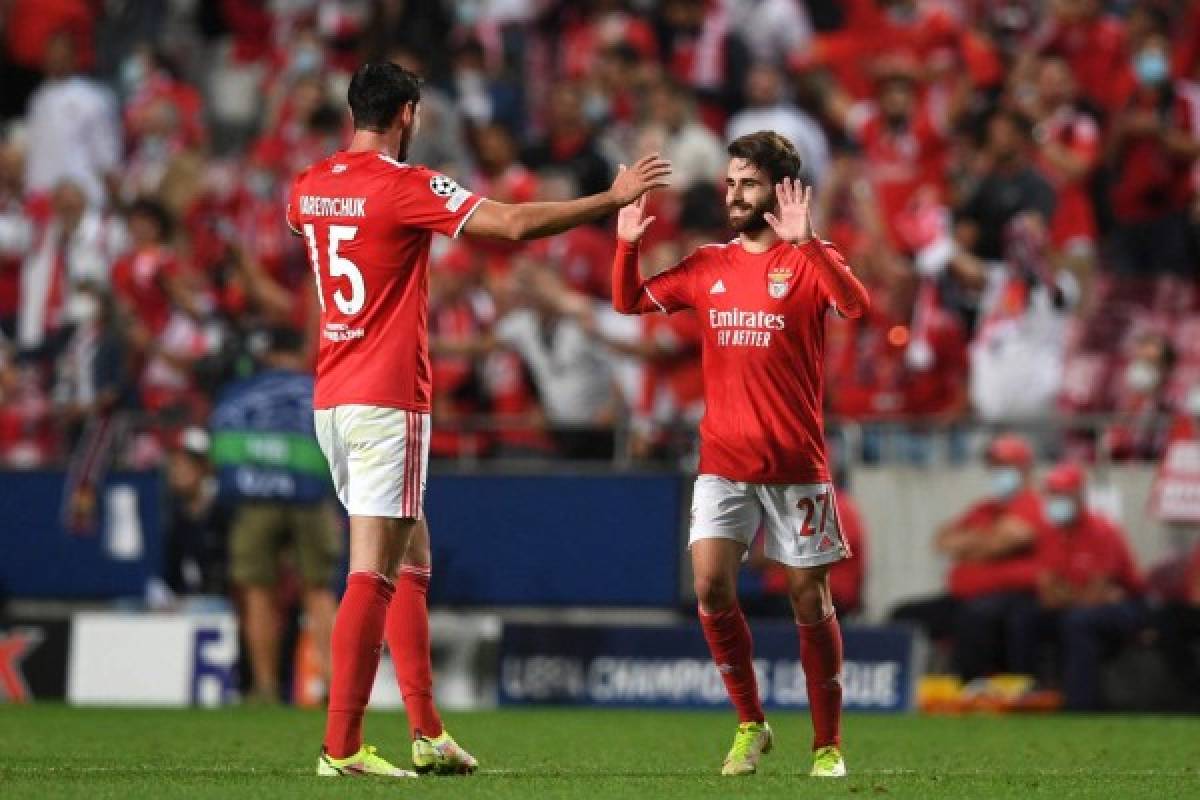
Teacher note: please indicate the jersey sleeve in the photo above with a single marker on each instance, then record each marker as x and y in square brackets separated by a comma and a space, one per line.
[431, 201]
[674, 289]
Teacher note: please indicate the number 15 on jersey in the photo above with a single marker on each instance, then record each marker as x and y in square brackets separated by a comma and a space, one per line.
[338, 267]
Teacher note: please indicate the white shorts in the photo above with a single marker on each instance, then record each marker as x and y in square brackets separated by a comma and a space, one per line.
[799, 521]
[379, 458]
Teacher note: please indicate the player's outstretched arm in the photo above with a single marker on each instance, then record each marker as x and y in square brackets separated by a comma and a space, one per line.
[628, 288]
[521, 221]
[794, 225]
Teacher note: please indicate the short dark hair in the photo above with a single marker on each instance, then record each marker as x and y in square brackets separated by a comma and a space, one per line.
[378, 91]
[1020, 123]
[154, 211]
[770, 152]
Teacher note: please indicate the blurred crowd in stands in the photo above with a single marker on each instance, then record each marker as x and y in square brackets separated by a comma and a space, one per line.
[1015, 180]
[1043, 583]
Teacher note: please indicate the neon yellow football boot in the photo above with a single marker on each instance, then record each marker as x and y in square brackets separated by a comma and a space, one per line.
[752, 741]
[828, 763]
[365, 763]
[441, 755]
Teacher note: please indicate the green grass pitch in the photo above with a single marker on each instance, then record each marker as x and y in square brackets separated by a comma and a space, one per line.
[51, 751]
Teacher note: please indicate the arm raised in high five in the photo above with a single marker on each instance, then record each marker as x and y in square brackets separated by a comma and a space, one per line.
[522, 221]
[793, 224]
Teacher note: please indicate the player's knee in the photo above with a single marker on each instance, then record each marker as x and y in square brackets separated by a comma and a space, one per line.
[715, 593]
[808, 591]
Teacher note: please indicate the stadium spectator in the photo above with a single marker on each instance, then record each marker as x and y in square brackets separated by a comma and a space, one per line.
[696, 154]
[1091, 41]
[16, 233]
[441, 142]
[1088, 586]
[30, 27]
[993, 550]
[903, 145]
[769, 108]
[1004, 252]
[93, 384]
[571, 370]
[905, 361]
[483, 93]
[1153, 143]
[1068, 146]
[460, 315]
[197, 525]
[1143, 422]
[152, 88]
[74, 131]
[76, 243]
[1009, 185]
[271, 471]
[570, 141]
[700, 48]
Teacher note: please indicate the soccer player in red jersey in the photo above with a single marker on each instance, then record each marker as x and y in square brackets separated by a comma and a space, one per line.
[762, 300]
[368, 219]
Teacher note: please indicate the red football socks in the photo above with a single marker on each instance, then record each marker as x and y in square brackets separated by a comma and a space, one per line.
[408, 640]
[821, 657]
[356, 644]
[729, 641]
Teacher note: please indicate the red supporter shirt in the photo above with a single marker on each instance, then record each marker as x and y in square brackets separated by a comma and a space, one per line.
[900, 164]
[1077, 132]
[368, 221]
[1014, 573]
[1150, 180]
[763, 321]
[1091, 548]
[138, 279]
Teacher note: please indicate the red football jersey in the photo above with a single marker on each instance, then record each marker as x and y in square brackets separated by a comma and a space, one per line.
[763, 321]
[367, 221]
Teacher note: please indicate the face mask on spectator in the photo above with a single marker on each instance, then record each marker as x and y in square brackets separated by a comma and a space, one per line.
[133, 72]
[1004, 481]
[1141, 376]
[595, 108]
[1151, 67]
[306, 60]
[260, 183]
[1061, 510]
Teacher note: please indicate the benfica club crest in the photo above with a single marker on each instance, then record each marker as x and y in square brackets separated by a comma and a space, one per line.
[778, 281]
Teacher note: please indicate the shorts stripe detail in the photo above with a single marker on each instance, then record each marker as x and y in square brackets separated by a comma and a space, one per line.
[837, 522]
[406, 489]
[418, 431]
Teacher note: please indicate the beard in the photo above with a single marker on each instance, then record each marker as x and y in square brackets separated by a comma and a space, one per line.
[753, 221]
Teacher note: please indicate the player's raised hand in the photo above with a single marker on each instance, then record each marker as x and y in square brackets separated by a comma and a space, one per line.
[632, 221]
[794, 223]
[648, 173]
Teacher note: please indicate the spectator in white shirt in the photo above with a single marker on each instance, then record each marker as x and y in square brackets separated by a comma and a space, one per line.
[695, 152]
[74, 130]
[571, 370]
[769, 109]
[77, 245]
